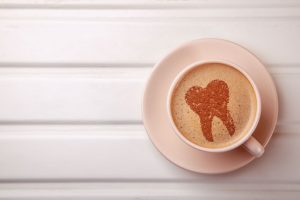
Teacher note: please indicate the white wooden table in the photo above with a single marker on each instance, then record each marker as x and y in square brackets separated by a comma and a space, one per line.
[71, 78]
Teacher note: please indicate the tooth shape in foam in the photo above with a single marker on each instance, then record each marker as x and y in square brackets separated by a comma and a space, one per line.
[211, 102]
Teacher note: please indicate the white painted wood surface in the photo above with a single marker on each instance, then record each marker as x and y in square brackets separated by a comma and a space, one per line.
[71, 78]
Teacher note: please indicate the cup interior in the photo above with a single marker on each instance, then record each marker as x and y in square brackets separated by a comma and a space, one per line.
[239, 142]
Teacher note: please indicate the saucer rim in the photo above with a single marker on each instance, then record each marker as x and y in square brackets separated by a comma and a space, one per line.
[168, 55]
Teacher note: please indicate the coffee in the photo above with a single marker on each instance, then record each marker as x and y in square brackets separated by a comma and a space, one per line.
[214, 105]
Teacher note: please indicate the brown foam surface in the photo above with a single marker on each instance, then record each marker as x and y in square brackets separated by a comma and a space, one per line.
[241, 105]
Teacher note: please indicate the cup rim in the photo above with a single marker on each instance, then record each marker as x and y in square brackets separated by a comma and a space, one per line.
[190, 67]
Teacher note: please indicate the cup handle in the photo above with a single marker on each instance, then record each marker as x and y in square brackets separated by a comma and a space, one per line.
[254, 147]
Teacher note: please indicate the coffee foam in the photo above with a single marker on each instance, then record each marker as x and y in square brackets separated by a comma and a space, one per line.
[242, 105]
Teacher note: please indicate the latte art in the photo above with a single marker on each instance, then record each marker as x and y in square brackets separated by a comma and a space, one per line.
[213, 105]
[208, 103]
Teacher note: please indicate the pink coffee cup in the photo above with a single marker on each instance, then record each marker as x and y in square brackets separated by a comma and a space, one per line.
[247, 141]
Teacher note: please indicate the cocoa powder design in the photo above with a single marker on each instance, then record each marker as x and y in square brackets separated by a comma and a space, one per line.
[211, 102]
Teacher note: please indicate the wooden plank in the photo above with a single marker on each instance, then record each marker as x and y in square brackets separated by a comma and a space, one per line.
[84, 95]
[133, 15]
[142, 36]
[142, 3]
[99, 95]
[119, 153]
[144, 190]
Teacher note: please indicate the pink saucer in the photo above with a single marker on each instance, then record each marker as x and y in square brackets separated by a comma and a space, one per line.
[155, 115]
